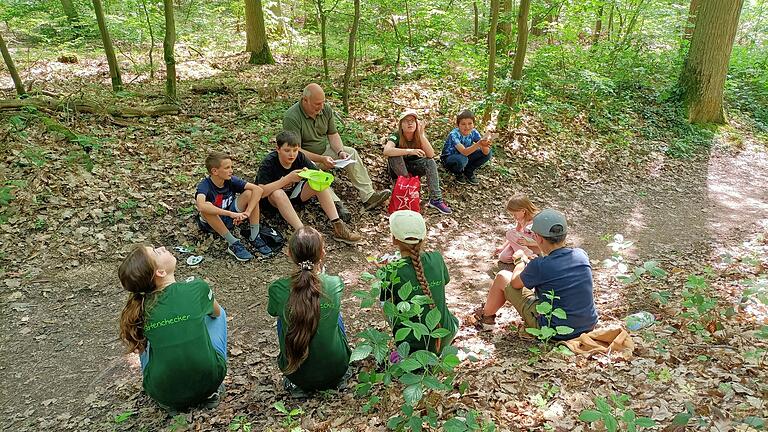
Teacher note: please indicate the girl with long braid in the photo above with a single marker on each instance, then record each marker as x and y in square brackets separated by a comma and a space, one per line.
[427, 273]
[177, 328]
[314, 354]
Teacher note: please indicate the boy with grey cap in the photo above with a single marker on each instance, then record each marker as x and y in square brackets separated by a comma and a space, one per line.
[562, 270]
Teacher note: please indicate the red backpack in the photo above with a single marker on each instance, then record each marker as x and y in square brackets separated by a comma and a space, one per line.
[405, 194]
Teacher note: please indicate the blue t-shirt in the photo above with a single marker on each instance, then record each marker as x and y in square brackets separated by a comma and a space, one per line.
[221, 197]
[567, 272]
[455, 138]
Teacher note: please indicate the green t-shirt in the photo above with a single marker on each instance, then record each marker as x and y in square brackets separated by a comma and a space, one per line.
[183, 367]
[313, 131]
[437, 277]
[329, 352]
[395, 138]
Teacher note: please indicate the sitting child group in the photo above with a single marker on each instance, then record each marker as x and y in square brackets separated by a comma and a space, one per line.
[179, 329]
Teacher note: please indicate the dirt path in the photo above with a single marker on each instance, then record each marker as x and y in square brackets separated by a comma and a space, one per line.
[64, 368]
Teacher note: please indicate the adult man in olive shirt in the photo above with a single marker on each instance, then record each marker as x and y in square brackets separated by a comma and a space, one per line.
[312, 120]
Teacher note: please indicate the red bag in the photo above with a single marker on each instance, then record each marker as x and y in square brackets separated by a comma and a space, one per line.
[405, 194]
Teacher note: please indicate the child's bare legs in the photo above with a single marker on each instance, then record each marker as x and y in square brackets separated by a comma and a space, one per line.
[250, 199]
[324, 198]
[496, 297]
[279, 199]
[215, 222]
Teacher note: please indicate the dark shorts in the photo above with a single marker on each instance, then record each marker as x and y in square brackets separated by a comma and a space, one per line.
[297, 203]
[228, 221]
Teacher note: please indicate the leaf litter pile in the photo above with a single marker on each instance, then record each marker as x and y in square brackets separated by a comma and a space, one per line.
[78, 190]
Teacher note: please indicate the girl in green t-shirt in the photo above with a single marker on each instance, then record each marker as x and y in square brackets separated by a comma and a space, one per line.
[428, 275]
[158, 314]
[314, 353]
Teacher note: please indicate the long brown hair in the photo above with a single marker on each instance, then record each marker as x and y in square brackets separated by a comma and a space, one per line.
[521, 202]
[303, 309]
[414, 250]
[404, 143]
[136, 274]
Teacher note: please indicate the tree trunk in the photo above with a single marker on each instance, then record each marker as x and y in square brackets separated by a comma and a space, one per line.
[505, 24]
[632, 22]
[256, 34]
[476, 33]
[350, 56]
[323, 38]
[69, 10]
[151, 42]
[491, 57]
[706, 64]
[168, 43]
[514, 92]
[408, 23]
[598, 26]
[691, 23]
[114, 70]
[610, 23]
[11, 67]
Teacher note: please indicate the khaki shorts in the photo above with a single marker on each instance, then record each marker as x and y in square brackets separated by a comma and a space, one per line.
[524, 301]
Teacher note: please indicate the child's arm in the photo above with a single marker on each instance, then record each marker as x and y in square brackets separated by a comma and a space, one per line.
[426, 146]
[477, 144]
[501, 248]
[216, 309]
[289, 179]
[207, 207]
[391, 150]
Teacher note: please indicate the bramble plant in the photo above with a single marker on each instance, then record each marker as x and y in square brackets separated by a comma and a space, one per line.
[612, 416]
[420, 371]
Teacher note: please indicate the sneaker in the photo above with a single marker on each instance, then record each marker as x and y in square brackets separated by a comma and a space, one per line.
[441, 206]
[472, 179]
[484, 322]
[460, 178]
[261, 246]
[295, 391]
[344, 214]
[342, 233]
[239, 251]
[214, 399]
[377, 199]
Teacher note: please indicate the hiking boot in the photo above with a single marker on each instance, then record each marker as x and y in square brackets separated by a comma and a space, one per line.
[484, 322]
[472, 179]
[342, 233]
[239, 252]
[441, 206]
[344, 214]
[261, 246]
[214, 399]
[377, 199]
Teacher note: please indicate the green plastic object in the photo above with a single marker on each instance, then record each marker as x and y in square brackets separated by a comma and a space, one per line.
[318, 180]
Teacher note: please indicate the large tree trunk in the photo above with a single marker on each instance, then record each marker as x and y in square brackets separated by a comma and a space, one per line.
[514, 92]
[69, 10]
[323, 38]
[256, 34]
[350, 56]
[706, 64]
[489, 83]
[168, 43]
[114, 69]
[11, 67]
[691, 22]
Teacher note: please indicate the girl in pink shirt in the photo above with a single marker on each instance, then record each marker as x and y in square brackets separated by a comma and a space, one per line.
[519, 239]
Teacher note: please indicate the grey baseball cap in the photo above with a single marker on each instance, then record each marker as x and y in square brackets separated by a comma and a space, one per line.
[549, 223]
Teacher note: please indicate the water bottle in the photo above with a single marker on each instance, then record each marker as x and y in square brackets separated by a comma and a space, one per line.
[639, 320]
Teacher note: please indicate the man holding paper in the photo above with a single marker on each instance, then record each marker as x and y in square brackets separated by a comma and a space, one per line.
[313, 121]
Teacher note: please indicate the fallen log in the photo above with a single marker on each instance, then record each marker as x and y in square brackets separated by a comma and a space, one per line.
[88, 107]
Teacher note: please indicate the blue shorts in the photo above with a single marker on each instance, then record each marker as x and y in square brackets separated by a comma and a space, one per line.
[228, 221]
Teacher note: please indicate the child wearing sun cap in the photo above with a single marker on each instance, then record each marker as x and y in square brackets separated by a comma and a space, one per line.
[425, 272]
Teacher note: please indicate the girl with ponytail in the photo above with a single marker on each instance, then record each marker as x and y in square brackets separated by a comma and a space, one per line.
[159, 313]
[314, 353]
[427, 273]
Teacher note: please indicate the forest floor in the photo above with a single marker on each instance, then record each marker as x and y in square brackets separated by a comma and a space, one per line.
[64, 229]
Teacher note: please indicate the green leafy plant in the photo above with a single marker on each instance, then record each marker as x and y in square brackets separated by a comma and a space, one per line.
[179, 422]
[240, 423]
[613, 415]
[291, 416]
[123, 416]
[699, 307]
[548, 311]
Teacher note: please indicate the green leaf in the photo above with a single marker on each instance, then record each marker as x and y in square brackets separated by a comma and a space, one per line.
[559, 313]
[547, 333]
[440, 333]
[451, 361]
[122, 417]
[409, 378]
[433, 318]
[421, 300]
[419, 330]
[413, 393]
[394, 422]
[534, 331]
[454, 425]
[602, 405]
[544, 308]
[433, 383]
[426, 358]
[389, 309]
[415, 423]
[590, 416]
[405, 291]
[755, 422]
[280, 406]
[409, 365]
[563, 330]
[681, 419]
[629, 416]
[367, 276]
[645, 422]
[360, 352]
[403, 306]
[611, 424]
[402, 334]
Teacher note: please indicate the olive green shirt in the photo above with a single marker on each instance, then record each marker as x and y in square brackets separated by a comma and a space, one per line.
[312, 131]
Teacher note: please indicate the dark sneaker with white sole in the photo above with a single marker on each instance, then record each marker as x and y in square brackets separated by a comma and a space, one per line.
[239, 251]
[261, 246]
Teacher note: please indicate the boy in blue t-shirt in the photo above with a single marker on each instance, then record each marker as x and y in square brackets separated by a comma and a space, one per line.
[562, 270]
[220, 209]
[465, 150]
